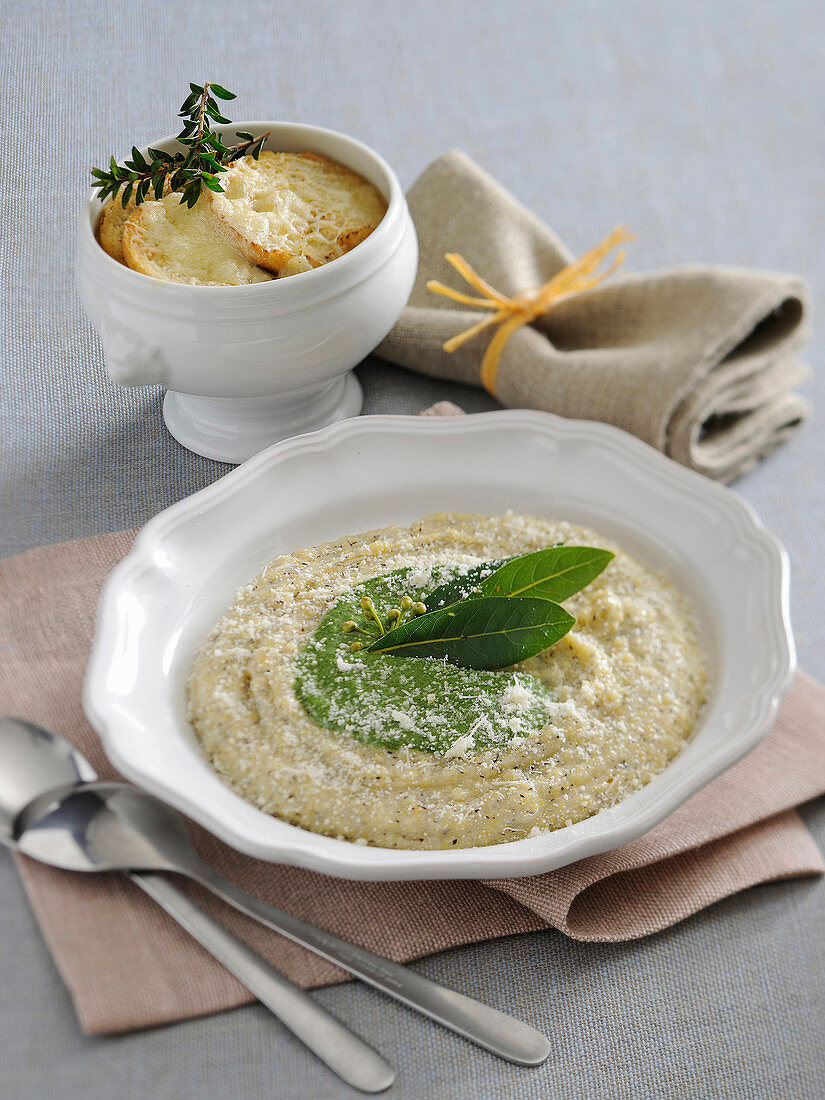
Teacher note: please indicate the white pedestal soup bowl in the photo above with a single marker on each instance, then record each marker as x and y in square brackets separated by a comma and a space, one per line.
[245, 366]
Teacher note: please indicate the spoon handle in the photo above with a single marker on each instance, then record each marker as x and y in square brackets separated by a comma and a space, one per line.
[341, 1049]
[495, 1031]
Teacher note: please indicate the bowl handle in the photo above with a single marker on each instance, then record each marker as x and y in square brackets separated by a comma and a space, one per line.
[131, 360]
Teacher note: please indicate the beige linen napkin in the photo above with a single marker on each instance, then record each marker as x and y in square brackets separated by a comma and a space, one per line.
[128, 965]
[698, 361]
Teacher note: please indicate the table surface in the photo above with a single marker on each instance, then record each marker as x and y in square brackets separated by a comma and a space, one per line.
[698, 125]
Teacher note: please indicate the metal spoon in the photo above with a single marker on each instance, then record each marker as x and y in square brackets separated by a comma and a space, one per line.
[113, 826]
[35, 762]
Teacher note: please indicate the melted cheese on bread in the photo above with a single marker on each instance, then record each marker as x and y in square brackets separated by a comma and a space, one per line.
[289, 212]
[168, 240]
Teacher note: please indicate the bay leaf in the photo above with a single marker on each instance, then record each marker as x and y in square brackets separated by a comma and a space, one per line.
[464, 586]
[487, 632]
[554, 573]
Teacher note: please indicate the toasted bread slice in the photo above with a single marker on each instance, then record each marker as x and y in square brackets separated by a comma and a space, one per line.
[112, 220]
[168, 240]
[110, 227]
[289, 212]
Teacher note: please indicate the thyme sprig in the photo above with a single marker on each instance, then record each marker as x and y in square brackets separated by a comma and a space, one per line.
[204, 156]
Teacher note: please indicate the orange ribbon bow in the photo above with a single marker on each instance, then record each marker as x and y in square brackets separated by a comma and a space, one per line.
[511, 313]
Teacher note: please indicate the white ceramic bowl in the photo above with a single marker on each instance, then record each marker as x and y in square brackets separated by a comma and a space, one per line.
[188, 562]
[248, 365]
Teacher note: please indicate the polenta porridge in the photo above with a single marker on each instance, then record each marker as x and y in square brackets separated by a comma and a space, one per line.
[367, 688]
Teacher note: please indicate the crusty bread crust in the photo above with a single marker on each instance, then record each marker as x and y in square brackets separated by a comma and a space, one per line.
[110, 227]
[289, 212]
[167, 240]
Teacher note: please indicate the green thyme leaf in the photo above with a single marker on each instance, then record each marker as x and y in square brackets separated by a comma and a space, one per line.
[204, 154]
[188, 104]
[215, 114]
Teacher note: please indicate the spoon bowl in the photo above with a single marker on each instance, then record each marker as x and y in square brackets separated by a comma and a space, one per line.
[34, 760]
[104, 827]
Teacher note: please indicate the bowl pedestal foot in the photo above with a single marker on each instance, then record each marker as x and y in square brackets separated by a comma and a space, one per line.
[232, 429]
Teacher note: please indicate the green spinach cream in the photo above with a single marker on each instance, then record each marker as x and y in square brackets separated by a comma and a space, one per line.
[419, 703]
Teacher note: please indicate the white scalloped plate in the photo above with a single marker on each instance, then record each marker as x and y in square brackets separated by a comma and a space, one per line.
[188, 562]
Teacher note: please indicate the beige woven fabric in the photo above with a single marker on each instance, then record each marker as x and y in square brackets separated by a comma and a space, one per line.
[127, 965]
[698, 361]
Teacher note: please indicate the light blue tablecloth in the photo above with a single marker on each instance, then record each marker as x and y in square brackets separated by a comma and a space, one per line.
[699, 125]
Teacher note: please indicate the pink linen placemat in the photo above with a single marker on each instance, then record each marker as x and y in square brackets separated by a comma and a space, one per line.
[128, 965]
